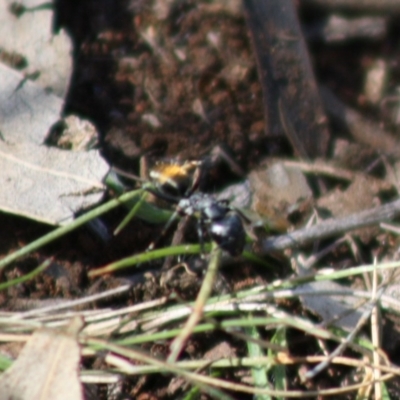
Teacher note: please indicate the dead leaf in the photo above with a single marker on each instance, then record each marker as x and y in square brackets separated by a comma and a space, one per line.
[29, 35]
[40, 182]
[278, 190]
[362, 194]
[26, 111]
[79, 134]
[47, 367]
[338, 310]
[47, 184]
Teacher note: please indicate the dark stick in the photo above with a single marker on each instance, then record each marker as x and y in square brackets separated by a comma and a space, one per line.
[380, 6]
[290, 94]
[332, 227]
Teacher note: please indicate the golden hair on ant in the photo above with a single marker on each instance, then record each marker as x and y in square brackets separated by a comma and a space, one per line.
[176, 179]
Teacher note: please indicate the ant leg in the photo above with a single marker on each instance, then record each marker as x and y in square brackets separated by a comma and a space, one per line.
[200, 234]
[127, 175]
[164, 231]
[221, 155]
[176, 239]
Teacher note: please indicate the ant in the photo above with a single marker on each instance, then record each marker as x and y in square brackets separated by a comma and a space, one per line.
[176, 183]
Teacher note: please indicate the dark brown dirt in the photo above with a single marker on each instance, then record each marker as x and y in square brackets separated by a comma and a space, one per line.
[176, 84]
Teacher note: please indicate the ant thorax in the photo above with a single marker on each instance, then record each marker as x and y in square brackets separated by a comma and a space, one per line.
[204, 205]
[222, 224]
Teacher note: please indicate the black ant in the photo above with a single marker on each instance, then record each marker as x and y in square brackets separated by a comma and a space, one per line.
[176, 184]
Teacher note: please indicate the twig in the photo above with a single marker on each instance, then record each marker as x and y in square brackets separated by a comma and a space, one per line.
[71, 303]
[340, 29]
[375, 336]
[199, 379]
[332, 227]
[322, 168]
[320, 367]
[315, 257]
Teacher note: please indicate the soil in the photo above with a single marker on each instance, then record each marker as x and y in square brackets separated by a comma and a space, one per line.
[167, 86]
[171, 79]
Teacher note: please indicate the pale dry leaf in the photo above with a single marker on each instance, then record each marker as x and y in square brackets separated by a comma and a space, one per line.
[276, 184]
[277, 191]
[338, 310]
[341, 311]
[26, 111]
[40, 182]
[47, 367]
[79, 134]
[29, 35]
[48, 184]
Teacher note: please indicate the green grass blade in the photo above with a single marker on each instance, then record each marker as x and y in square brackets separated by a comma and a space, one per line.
[26, 277]
[63, 230]
[279, 371]
[259, 372]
